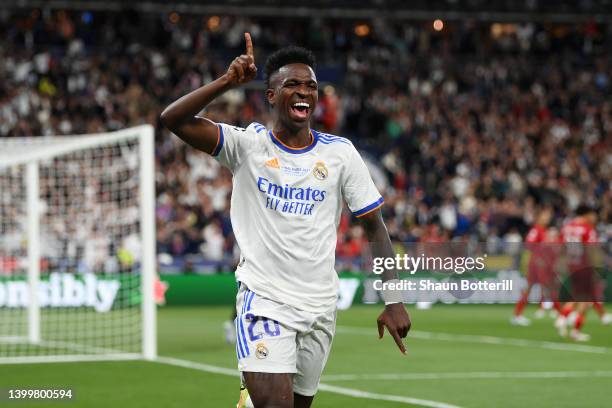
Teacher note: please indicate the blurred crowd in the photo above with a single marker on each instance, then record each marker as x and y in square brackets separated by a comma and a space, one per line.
[471, 126]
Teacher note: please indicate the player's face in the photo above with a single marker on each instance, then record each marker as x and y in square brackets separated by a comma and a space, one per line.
[294, 94]
[545, 217]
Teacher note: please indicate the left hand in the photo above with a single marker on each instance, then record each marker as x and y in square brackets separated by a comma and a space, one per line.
[397, 321]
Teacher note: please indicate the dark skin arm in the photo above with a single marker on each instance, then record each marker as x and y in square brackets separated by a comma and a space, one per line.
[394, 317]
[181, 116]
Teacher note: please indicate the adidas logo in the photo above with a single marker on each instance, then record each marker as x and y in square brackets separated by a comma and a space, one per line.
[274, 163]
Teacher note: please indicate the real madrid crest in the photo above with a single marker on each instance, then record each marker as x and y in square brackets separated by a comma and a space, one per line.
[320, 171]
[261, 351]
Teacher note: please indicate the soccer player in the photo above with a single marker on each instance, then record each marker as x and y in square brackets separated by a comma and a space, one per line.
[579, 235]
[288, 185]
[540, 269]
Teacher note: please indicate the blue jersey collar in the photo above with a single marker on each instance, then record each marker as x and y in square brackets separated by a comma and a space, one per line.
[294, 150]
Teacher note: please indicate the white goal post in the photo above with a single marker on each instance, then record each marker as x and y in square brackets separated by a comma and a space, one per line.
[77, 247]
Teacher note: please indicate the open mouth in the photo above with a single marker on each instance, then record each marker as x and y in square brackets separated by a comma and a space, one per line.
[300, 110]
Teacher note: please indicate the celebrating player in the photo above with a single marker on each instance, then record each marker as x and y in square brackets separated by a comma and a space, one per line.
[288, 186]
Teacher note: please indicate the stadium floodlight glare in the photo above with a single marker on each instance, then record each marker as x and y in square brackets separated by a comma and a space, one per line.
[77, 247]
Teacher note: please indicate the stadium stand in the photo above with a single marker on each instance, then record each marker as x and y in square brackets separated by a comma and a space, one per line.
[473, 126]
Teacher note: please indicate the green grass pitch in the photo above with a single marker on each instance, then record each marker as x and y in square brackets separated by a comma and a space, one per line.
[461, 355]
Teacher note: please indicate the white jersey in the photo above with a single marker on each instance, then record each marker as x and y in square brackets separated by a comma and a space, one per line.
[285, 209]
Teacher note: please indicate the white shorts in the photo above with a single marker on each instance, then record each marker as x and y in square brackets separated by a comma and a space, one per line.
[272, 337]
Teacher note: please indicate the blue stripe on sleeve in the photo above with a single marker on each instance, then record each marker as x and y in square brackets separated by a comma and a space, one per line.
[370, 207]
[219, 143]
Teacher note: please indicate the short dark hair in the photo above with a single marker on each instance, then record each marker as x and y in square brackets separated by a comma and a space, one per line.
[288, 55]
[584, 209]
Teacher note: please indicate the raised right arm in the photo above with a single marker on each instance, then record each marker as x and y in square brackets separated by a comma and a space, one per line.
[180, 116]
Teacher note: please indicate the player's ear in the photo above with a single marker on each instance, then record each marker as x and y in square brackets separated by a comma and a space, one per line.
[271, 96]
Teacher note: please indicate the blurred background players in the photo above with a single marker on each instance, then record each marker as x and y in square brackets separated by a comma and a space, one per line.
[581, 253]
[543, 248]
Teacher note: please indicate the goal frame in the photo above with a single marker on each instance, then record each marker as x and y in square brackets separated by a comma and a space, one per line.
[70, 144]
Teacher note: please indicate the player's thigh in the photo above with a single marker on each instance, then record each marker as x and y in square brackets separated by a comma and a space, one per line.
[270, 390]
[313, 349]
[263, 344]
[268, 362]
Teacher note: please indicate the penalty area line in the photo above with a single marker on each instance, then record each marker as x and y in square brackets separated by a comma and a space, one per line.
[469, 338]
[322, 387]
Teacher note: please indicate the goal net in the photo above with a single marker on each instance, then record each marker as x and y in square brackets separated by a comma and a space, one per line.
[77, 247]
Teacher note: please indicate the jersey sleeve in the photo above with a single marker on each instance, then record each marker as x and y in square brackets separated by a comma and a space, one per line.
[232, 145]
[358, 188]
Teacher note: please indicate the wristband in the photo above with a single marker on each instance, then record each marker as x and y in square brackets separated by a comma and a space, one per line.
[391, 296]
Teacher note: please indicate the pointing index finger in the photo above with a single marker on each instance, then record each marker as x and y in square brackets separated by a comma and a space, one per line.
[249, 44]
[398, 340]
